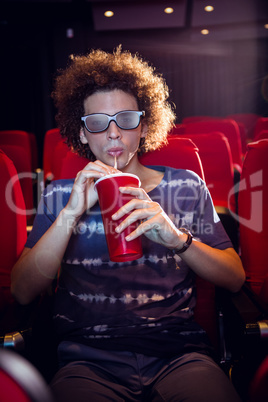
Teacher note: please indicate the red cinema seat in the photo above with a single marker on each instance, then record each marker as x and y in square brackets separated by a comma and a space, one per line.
[17, 145]
[228, 127]
[262, 124]
[19, 138]
[51, 140]
[262, 135]
[13, 233]
[179, 153]
[178, 129]
[253, 214]
[58, 155]
[25, 174]
[71, 165]
[248, 119]
[216, 158]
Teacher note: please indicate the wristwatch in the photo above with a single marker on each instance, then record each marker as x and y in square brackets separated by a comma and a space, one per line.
[188, 242]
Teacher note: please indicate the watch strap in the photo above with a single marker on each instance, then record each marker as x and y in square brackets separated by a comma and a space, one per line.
[188, 242]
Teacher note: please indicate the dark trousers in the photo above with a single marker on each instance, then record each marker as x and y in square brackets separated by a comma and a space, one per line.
[99, 375]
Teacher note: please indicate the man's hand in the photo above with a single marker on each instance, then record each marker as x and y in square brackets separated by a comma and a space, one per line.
[83, 195]
[155, 224]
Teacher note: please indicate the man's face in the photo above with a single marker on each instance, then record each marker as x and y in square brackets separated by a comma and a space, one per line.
[114, 141]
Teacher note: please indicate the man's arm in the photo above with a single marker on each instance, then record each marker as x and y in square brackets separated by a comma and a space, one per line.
[221, 267]
[37, 267]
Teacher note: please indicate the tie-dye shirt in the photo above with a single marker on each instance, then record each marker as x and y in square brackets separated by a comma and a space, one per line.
[146, 305]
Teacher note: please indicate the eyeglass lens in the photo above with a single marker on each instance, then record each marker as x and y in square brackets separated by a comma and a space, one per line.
[126, 120]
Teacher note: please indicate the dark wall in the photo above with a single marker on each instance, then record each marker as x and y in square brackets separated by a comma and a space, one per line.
[205, 77]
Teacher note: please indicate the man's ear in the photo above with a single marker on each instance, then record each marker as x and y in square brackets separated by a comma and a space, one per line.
[144, 130]
[83, 138]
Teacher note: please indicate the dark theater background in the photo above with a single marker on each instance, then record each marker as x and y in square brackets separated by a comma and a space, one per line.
[217, 74]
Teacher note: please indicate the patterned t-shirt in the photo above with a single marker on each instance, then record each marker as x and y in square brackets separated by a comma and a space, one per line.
[145, 306]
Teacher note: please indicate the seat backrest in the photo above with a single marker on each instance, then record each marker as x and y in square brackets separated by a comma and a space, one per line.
[51, 140]
[228, 127]
[71, 165]
[253, 213]
[24, 170]
[58, 154]
[18, 138]
[216, 158]
[262, 124]
[248, 119]
[262, 135]
[179, 153]
[13, 232]
[178, 129]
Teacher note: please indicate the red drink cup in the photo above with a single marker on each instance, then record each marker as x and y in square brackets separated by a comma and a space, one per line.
[110, 200]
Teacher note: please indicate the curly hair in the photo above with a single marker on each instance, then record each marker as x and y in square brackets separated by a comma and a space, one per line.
[103, 71]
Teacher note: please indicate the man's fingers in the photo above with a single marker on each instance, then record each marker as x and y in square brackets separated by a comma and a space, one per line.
[135, 191]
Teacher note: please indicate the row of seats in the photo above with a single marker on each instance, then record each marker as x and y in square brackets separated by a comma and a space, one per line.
[250, 124]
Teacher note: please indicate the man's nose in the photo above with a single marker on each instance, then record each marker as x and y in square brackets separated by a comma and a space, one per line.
[113, 131]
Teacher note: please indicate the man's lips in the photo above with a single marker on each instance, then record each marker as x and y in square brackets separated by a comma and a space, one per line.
[115, 152]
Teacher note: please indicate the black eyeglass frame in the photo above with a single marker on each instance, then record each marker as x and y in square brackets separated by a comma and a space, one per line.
[113, 118]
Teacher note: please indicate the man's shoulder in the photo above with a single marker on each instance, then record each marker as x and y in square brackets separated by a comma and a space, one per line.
[182, 176]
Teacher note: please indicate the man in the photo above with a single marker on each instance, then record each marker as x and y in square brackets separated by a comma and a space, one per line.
[126, 329]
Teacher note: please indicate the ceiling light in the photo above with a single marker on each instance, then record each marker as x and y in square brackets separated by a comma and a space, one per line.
[109, 13]
[168, 10]
[205, 32]
[209, 8]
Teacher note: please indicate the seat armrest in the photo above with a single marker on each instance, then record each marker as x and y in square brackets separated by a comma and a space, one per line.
[244, 320]
[13, 340]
